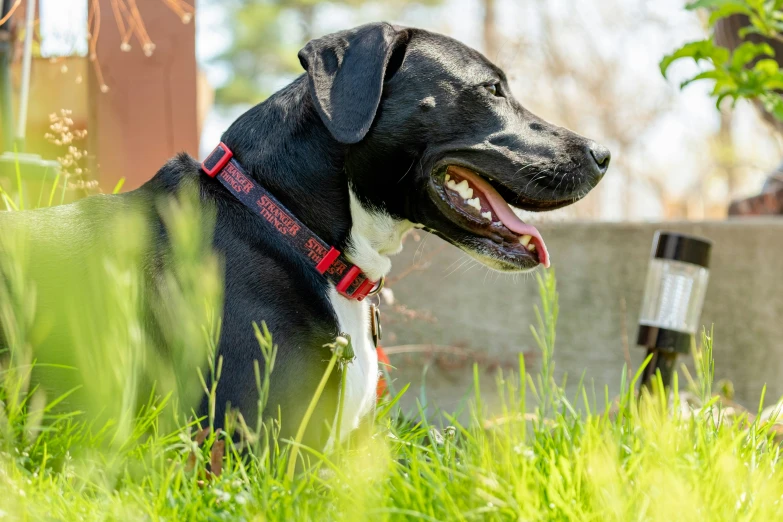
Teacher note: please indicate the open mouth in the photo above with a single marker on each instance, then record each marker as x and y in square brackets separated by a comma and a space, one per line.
[476, 205]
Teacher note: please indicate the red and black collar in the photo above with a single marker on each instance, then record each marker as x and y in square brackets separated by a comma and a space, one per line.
[348, 278]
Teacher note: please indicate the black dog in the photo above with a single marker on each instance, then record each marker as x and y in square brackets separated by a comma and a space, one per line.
[390, 129]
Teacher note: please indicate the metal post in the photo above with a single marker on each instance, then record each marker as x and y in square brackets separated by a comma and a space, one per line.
[27, 62]
[662, 362]
[6, 53]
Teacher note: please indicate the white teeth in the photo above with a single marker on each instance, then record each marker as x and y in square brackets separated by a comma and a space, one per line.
[526, 242]
[487, 215]
[475, 203]
[464, 190]
[497, 223]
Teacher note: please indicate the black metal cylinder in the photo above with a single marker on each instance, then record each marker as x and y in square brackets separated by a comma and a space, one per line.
[662, 362]
[665, 339]
[682, 247]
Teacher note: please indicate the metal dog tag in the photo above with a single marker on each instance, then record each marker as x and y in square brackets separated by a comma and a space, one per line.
[375, 325]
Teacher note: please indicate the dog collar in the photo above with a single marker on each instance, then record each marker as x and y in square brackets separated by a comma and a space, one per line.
[349, 280]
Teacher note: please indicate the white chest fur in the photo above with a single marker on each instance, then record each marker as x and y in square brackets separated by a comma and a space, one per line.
[374, 236]
[361, 374]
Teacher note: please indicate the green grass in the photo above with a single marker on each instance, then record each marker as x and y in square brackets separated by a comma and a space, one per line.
[542, 456]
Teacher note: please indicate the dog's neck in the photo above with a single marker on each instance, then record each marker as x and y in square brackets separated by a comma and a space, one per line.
[375, 235]
[284, 145]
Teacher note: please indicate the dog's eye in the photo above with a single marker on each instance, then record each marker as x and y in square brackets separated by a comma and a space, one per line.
[494, 89]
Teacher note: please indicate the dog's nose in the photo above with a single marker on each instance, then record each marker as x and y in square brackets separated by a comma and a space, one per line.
[601, 156]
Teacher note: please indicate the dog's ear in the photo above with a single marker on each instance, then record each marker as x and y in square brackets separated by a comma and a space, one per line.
[346, 71]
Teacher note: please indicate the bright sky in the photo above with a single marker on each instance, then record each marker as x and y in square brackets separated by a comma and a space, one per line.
[63, 27]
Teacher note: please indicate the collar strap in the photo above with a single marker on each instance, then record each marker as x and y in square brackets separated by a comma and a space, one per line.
[348, 278]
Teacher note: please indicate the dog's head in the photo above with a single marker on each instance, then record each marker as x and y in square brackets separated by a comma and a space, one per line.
[436, 138]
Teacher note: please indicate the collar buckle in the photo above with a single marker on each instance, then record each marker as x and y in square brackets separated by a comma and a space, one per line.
[218, 158]
[365, 288]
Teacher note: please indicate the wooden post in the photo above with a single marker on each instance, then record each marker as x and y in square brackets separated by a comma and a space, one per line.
[148, 113]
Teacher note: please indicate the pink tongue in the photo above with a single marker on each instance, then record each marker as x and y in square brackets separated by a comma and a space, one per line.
[504, 212]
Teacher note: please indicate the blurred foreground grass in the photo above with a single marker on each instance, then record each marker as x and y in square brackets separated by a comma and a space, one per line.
[117, 442]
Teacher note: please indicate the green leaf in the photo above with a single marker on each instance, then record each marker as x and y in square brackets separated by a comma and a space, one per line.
[715, 74]
[759, 23]
[714, 4]
[728, 10]
[118, 186]
[767, 66]
[745, 31]
[747, 52]
[720, 99]
[774, 83]
[773, 103]
[777, 26]
[699, 50]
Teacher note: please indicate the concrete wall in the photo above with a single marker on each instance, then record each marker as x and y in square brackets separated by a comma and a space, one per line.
[600, 270]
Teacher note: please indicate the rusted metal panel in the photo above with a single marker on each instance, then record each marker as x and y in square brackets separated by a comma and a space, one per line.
[148, 113]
